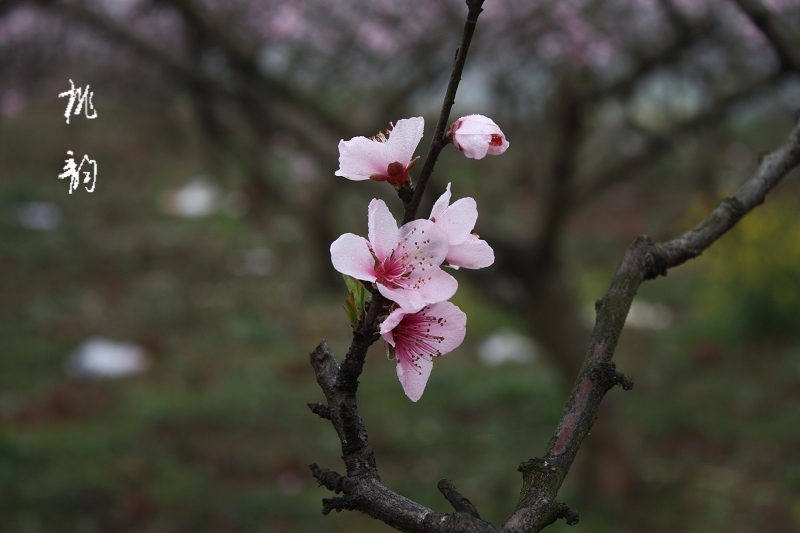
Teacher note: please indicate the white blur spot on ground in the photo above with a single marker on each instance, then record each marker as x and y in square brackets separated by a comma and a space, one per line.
[507, 347]
[42, 216]
[102, 358]
[198, 198]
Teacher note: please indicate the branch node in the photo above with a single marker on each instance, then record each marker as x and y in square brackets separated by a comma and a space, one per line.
[456, 499]
[606, 374]
[735, 206]
[345, 503]
[325, 366]
[655, 264]
[320, 410]
[475, 7]
[570, 517]
[530, 465]
[330, 479]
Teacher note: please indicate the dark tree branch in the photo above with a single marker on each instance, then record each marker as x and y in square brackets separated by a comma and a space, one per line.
[456, 499]
[439, 140]
[361, 486]
[644, 260]
[785, 42]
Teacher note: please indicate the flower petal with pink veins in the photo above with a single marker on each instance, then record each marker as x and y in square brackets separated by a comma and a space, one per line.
[403, 140]
[360, 158]
[404, 263]
[418, 337]
[458, 220]
[441, 204]
[391, 322]
[423, 243]
[472, 253]
[350, 255]
[436, 286]
[414, 376]
[422, 248]
[383, 232]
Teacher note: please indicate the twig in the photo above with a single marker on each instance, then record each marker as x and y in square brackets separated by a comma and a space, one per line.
[439, 140]
[456, 499]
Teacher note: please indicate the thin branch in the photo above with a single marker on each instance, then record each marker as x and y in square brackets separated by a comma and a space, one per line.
[644, 260]
[439, 140]
[460, 503]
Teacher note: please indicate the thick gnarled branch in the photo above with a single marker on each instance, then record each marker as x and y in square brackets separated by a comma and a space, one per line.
[644, 260]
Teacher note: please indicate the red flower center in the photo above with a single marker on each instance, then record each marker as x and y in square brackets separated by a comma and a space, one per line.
[413, 335]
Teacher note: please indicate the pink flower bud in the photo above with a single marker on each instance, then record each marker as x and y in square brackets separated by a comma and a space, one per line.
[476, 136]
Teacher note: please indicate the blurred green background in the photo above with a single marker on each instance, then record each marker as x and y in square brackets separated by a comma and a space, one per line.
[205, 247]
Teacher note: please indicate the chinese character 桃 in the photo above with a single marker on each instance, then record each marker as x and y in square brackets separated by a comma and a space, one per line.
[81, 95]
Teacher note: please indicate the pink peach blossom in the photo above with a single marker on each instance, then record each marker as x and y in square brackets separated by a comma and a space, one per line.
[403, 263]
[419, 337]
[381, 158]
[476, 135]
[465, 249]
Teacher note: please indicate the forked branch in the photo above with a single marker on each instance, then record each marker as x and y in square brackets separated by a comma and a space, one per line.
[542, 477]
[361, 488]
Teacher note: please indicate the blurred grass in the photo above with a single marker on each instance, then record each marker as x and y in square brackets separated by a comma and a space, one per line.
[217, 437]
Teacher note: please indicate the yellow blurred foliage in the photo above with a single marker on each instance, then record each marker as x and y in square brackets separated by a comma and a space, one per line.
[752, 285]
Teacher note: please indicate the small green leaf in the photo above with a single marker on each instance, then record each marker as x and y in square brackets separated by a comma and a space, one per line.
[391, 351]
[352, 312]
[358, 292]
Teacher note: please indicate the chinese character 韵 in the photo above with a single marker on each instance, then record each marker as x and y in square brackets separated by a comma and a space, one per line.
[81, 95]
[74, 173]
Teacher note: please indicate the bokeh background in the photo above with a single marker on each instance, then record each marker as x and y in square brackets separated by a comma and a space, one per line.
[154, 333]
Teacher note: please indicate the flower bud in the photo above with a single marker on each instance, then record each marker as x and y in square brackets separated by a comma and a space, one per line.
[476, 136]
